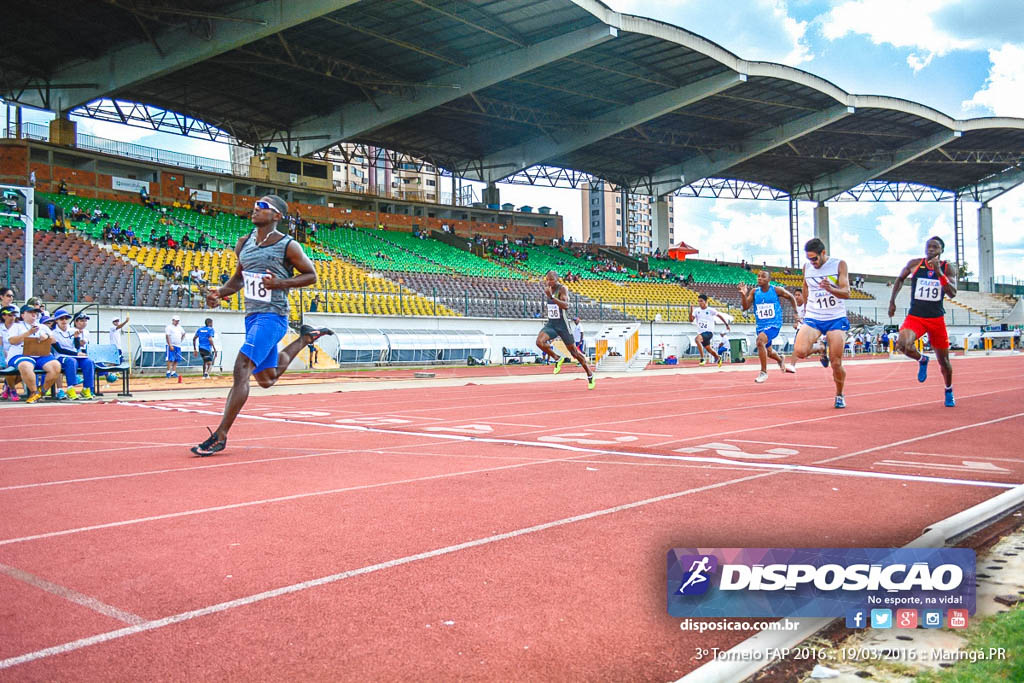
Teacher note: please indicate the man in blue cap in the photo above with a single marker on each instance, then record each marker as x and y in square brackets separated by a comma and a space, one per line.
[73, 359]
[27, 329]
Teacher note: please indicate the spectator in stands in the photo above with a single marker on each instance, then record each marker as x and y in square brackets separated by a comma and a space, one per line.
[38, 303]
[81, 334]
[72, 358]
[39, 358]
[8, 314]
[224, 277]
[198, 276]
[115, 333]
[63, 188]
[314, 305]
[6, 296]
[174, 334]
[201, 243]
[168, 270]
[171, 243]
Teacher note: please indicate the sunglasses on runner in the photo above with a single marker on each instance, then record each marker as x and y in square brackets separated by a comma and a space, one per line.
[266, 205]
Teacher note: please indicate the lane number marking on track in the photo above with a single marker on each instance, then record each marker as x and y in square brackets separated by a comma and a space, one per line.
[588, 439]
[967, 466]
[462, 429]
[730, 451]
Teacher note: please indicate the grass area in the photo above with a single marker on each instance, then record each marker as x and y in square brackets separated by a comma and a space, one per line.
[1005, 630]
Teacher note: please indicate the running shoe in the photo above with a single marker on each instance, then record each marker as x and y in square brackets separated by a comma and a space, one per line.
[62, 395]
[34, 397]
[761, 377]
[702, 362]
[212, 445]
[950, 401]
[87, 394]
[7, 392]
[591, 382]
[72, 393]
[314, 333]
[558, 365]
[168, 374]
[922, 369]
[825, 360]
[720, 359]
[840, 402]
[791, 368]
[13, 395]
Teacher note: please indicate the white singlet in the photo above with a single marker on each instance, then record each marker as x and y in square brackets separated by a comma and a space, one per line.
[822, 304]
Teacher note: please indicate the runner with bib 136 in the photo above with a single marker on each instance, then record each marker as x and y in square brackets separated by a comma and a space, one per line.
[826, 286]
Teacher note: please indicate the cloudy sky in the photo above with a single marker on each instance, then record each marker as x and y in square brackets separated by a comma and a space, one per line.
[962, 57]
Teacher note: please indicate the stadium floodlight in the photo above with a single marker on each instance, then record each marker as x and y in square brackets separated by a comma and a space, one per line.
[19, 202]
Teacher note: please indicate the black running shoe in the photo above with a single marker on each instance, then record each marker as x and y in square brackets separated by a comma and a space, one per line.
[210, 446]
[314, 333]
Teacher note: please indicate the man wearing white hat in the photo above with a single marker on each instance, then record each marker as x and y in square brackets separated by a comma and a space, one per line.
[175, 334]
[115, 334]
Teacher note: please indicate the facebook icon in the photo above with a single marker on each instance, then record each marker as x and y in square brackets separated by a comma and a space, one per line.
[856, 619]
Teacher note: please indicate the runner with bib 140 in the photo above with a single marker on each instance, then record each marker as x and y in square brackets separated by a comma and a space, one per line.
[767, 302]
[826, 285]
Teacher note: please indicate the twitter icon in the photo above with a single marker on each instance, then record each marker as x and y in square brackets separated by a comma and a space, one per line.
[881, 618]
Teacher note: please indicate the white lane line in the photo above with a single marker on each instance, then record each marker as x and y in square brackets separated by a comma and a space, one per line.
[279, 499]
[963, 456]
[72, 595]
[341, 576]
[929, 435]
[779, 443]
[172, 470]
[614, 431]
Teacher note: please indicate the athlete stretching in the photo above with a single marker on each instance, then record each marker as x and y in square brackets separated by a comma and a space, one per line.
[266, 262]
[826, 285]
[930, 279]
[556, 297]
[766, 300]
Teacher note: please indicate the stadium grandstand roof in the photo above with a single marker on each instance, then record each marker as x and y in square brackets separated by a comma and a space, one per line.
[490, 88]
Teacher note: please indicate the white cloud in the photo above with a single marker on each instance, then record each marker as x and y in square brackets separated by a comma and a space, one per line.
[751, 29]
[904, 24]
[1003, 91]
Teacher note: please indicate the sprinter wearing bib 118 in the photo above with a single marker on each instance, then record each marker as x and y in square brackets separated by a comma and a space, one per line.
[826, 287]
[930, 280]
[267, 265]
[767, 302]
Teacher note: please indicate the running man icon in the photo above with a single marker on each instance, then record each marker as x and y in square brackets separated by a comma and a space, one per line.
[699, 571]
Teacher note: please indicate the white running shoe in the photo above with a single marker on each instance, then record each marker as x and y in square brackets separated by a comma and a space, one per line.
[791, 368]
[761, 377]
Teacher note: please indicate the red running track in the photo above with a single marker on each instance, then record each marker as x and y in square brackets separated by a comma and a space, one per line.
[477, 532]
